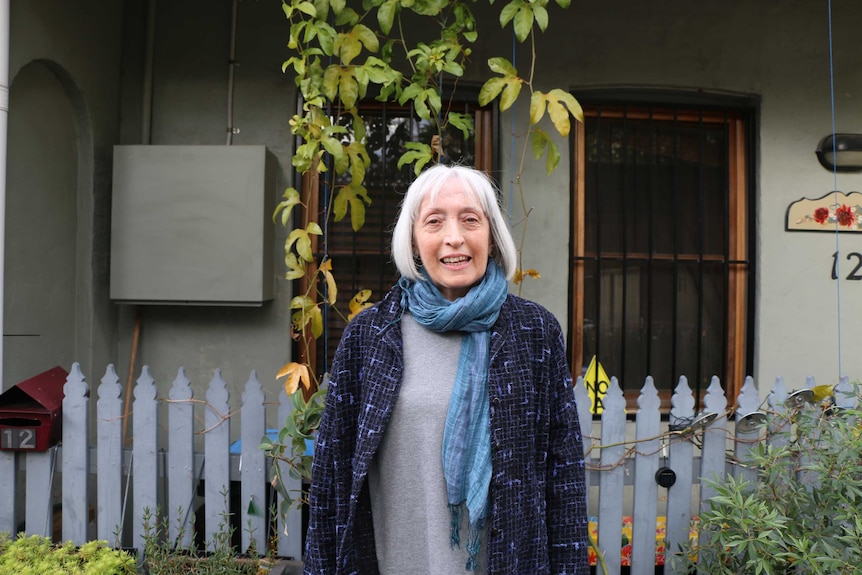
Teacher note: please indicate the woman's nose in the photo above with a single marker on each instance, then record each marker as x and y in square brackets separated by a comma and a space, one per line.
[453, 236]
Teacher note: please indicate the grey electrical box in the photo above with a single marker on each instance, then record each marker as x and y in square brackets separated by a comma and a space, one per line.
[192, 225]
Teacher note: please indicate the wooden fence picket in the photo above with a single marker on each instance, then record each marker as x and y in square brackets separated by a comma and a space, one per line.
[714, 443]
[253, 467]
[217, 454]
[681, 453]
[109, 455]
[76, 457]
[145, 463]
[290, 527]
[648, 450]
[612, 480]
[181, 471]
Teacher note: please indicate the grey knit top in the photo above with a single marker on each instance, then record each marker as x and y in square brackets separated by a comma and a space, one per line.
[405, 479]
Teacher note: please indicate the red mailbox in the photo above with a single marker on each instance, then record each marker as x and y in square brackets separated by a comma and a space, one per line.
[31, 412]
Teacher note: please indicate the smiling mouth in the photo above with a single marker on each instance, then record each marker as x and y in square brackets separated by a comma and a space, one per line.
[455, 260]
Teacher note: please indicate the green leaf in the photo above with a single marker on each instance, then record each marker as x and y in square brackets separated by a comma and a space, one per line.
[418, 154]
[291, 199]
[348, 47]
[523, 23]
[347, 17]
[537, 107]
[295, 268]
[490, 90]
[510, 93]
[368, 38]
[359, 161]
[386, 15]
[309, 314]
[462, 122]
[337, 5]
[540, 143]
[541, 15]
[502, 66]
[348, 88]
[321, 8]
[307, 8]
[331, 79]
[334, 147]
[453, 68]
[432, 96]
[560, 105]
[508, 12]
[354, 197]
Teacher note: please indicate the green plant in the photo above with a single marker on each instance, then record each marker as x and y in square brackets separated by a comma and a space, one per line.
[164, 557]
[36, 555]
[290, 447]
[341, 53]
[802, 514]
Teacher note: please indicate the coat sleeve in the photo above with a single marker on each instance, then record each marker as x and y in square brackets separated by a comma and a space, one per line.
[567, 519]
[331, 470]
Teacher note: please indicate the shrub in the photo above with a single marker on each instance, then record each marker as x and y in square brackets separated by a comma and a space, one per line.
[802, 514]
[36, 555]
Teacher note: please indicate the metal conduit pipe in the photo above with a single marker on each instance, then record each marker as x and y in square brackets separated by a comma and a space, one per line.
[4, 129]
[231, 68]
[149, 49]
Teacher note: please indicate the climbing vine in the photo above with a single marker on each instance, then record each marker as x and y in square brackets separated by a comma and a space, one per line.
[341, 53]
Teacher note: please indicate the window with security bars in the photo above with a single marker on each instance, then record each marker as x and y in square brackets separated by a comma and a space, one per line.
[361, 260]
[662, 250]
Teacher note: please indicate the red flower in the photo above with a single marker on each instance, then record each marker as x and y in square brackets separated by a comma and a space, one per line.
[844, 215]
[820, 215]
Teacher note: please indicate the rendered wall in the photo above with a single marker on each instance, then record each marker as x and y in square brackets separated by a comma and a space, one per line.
[778, 52]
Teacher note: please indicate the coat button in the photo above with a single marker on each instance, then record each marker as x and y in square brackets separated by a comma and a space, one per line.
[495, 402]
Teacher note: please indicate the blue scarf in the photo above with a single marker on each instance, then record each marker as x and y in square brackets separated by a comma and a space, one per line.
[467, 436]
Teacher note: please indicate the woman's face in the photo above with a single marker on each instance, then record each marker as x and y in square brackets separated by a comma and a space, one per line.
[453, 238]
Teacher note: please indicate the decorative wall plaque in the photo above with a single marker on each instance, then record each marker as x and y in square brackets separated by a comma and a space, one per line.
[835, 211]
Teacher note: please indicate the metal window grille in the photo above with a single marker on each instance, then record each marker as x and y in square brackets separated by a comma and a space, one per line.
[658, 256]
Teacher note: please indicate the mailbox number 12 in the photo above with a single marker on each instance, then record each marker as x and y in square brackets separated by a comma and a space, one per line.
[855, 273]
[18, 439]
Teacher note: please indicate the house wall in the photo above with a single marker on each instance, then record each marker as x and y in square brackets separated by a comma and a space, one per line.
[778, 52]
[190, 91]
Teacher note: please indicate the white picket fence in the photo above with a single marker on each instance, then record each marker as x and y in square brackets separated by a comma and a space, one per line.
[691, 443]
[170, 475]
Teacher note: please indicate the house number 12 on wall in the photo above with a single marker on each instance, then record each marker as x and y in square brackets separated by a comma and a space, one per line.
[855, 273]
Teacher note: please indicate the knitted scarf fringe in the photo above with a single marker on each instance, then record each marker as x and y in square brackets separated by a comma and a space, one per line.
[474, 539]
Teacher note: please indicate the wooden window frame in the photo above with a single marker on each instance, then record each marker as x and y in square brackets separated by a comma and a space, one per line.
[739, 266]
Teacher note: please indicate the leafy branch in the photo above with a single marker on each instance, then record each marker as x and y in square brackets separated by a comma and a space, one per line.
[342, 53]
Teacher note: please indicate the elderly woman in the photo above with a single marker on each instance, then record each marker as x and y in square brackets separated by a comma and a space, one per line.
[450, 439]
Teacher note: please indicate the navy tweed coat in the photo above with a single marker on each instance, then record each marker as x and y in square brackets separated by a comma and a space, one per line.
[538, 515]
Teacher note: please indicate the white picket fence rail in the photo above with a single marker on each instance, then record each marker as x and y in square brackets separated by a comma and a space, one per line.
[693, 444]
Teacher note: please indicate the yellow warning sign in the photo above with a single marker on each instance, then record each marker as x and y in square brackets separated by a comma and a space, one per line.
[596, 381]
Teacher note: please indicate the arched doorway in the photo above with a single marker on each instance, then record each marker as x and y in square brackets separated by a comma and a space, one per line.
[41, 225]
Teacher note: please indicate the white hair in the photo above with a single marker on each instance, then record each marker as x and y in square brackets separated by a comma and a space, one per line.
[428, 184]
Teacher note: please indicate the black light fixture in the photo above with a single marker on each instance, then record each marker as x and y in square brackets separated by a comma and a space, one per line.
[840, 152]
